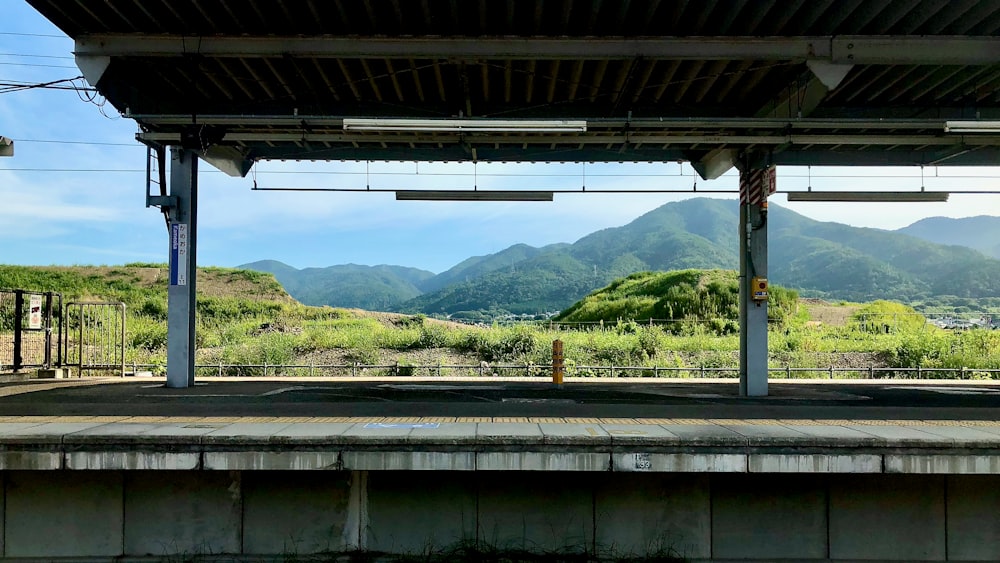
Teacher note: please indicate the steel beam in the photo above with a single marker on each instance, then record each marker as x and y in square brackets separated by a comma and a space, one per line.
[183, 263]
[932, 50]
[661, 138]
[315, 121]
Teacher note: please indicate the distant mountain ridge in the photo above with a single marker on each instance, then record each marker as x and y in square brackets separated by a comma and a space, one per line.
[375, 288]
[820, 259]
[981, 233]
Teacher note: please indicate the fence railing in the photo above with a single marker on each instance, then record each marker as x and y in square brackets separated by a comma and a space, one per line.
[542, 370]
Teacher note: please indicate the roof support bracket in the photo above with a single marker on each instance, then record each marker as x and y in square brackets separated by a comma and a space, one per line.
[830, 74]
[92, 67]
[715, 163]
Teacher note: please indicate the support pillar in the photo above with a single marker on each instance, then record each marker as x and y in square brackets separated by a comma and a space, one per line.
[181, 292]
[755, 185]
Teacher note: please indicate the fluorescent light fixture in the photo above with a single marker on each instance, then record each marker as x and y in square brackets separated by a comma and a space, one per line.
[972, 126]
[890, 197]
[472, 195]
[466, 125]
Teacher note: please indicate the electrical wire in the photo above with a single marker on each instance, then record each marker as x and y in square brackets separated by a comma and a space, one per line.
[36, 65]
[60, 84]
[26, 55]
[33, 34]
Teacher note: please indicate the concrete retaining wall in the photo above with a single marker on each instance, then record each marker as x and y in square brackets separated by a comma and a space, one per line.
[702, 517]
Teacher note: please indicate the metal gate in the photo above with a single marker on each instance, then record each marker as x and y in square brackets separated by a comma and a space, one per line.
[95, 338]
[27, 319]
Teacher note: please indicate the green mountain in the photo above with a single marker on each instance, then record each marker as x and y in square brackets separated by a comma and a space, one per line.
[375, 288]
[477, 266]
[819, 259]
[981, 233]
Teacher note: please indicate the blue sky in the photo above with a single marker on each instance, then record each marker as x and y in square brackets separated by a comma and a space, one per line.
[74, 191]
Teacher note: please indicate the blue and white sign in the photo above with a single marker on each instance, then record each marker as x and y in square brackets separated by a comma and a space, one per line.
[178, 254]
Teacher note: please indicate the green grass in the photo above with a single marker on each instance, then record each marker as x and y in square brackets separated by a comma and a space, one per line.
[241, 318]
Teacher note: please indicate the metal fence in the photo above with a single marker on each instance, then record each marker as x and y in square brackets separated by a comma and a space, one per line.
[540, 370]
[27, 322]
[95, 337]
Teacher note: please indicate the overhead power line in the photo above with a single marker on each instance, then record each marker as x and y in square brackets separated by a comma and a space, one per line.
[33, 34]
[26, 55]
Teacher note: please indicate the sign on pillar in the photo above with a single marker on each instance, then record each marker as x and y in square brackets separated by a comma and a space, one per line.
[178, 254]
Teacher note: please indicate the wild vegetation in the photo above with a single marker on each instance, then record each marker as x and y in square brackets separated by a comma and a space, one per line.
[245, 317]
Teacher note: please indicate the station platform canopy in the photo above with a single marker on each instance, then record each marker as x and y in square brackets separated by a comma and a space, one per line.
[817, 82]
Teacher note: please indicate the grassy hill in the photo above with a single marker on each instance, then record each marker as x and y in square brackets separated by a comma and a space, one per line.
[136, 284]
[709, 297]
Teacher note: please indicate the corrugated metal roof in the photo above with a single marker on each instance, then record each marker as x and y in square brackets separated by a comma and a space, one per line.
[656, 80]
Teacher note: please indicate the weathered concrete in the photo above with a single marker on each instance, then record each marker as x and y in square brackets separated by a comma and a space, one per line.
[420, 512]
[271, 461]
[294, 513]
[815, 463]
[541, 461]
[414, 461]
[15, 460]
[115, 460]
[973, 519]
[537, 511]
[891, 517]
[943, 464]
[175, 512]
[768, 517]
[680, 463]
[640, 514]
[51, 514]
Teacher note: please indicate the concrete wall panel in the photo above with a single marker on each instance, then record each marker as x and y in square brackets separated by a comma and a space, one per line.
[640, 514]
[537, 511]
[181, 512]
[974, 518]
[63, 514]
[768, 517]
[294, 512]
[890, 517]
[417, 512]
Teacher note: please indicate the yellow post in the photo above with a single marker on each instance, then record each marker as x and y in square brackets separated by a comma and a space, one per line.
[558, 365]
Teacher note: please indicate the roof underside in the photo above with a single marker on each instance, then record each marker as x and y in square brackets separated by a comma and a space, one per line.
[797, 81]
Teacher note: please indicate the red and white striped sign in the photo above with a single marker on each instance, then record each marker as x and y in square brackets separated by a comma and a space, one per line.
[757, 184]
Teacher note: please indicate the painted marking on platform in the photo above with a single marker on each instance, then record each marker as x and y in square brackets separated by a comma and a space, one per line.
[618, 432]
[592, 431]
[409, 425]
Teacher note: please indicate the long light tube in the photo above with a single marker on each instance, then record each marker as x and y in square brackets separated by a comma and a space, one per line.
[465, 125]
[972, 126]
[472, 195]
[890, 197]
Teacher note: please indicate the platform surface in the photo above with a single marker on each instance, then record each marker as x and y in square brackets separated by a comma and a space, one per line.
[502, 424]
